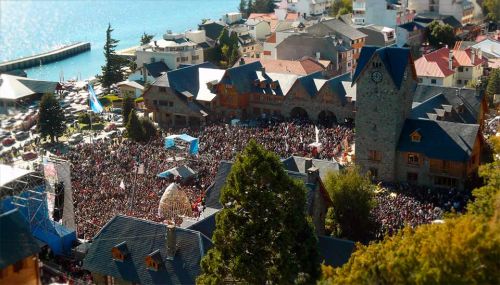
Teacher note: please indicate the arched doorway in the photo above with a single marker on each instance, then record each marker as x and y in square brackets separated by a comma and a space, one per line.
[327, 118]
[299, 113]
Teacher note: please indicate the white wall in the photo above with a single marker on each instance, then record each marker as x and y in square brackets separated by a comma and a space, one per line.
[171, 59]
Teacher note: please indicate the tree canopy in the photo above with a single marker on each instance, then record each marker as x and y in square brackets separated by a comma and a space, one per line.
[491, 8]
[146, 38]
[353, 199]
[228, 48]
[262, 234]
[111, 71]
[135, 131]
[340, 7]
[127, 107]
[51, 118]
[493, 85]
[440, 34]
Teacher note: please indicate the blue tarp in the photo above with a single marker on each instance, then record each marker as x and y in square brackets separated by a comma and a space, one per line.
[193, 142]
[56, 236]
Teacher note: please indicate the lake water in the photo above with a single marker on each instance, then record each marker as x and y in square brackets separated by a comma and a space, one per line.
[30, 27]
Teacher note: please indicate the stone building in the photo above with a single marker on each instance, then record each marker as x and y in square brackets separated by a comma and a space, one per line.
[398, 143]
[200, 93]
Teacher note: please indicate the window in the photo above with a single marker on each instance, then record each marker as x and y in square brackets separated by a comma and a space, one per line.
[415, 136]
[420, 80]
[466, 69]
[184, 58]
[433, 81]
[460, 69]
[163, 103]
[374, 155]
[195, 57]
[163, 89]
[411, 177]
[413, 159]
[466, 81]
[445, 181]
[459, 81]
[170, 104]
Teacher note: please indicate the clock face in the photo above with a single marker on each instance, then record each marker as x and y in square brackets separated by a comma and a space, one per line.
[377, 76]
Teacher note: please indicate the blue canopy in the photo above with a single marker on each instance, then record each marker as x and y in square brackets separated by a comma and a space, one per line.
[193, 147]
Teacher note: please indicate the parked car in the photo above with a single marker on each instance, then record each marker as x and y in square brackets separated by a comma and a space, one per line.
[29, 156]
[75, 138]
[20, 136]
[8, 141]
[4, 134]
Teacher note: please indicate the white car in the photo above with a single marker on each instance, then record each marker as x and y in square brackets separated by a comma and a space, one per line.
[75, 138]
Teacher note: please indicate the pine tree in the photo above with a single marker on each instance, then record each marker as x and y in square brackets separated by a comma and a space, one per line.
[127, 106]
[135, 131]
[235, 55]
[262, 234]
[51, 118]
[250, 7]
[146, 38]
[111, 71]
[493, 86]
[149, 128]
[243, 7]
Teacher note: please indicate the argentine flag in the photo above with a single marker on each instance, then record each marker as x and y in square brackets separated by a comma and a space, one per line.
[95, 105]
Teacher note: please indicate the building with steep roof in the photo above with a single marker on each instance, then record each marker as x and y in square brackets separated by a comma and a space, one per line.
[435, 141]
[447, 67]
[299, 67]
[131, 250]
[19, 251]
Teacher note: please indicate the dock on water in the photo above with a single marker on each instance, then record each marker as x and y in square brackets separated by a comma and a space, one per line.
[44, 58]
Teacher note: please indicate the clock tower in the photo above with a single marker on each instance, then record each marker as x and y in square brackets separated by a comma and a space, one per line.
[385, 81]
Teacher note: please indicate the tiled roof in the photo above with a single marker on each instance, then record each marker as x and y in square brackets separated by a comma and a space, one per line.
[439, 139]
[298, 67]
[142, 238]
[489, 46]
[298, 164]
[299, 45]
[16, 240]
[333, 251]
[436, 63]
[427, 98]
[394, 60]
[15, 87]
[336, 25]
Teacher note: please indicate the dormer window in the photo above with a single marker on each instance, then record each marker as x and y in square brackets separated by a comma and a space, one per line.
[120, 252]
[415, 136]
[154, 260]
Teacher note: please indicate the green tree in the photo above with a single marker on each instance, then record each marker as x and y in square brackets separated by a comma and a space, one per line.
[262, 234]
[493, 85]
[340, 7]
[263, 6]
[353, 199]
[51, 118]
[111, 71]
[149, 128]
[235, 55]
[463, 250]
[250, 7]
[127, 106]
[135, 131]
[491, 8]
[440, 34]
[243, 7]
[146, 38]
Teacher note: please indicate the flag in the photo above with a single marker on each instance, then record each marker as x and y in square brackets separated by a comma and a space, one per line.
[95, 105]
[317, 134]
[122, 185]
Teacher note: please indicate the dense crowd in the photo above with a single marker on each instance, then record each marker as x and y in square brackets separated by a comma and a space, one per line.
[99, 169]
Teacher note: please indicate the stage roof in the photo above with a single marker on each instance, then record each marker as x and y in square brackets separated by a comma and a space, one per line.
[9, 174]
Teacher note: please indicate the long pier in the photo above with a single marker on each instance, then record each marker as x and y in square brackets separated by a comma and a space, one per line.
[44, 58]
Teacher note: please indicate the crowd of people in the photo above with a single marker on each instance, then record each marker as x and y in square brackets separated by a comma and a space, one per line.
[116, 176]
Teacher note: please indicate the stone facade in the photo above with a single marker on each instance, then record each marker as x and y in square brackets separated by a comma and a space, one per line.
[381, 110]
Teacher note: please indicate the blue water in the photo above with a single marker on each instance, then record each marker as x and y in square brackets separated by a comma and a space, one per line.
[29, 27]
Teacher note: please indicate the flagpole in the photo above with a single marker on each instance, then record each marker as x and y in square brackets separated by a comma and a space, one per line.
[90, 115]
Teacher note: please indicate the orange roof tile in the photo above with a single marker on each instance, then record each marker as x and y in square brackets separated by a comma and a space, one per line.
[435, 64]
[299, 67]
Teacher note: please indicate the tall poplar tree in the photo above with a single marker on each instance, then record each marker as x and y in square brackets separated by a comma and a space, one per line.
[111, 71]
[262, 234]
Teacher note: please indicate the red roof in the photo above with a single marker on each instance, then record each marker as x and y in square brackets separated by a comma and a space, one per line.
[435, 64]
[300, 67]
[271, 39]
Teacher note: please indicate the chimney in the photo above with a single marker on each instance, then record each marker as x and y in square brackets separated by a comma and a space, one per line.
[171, 241]
[473, 56]
[318, 55]
[312, 175]
[450, 59]
[308, 163]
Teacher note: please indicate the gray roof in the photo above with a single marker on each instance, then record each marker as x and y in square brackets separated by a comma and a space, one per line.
[16, 240]
[156, 69]
[142, 238]
[465, 102]
[298, 164]
[439, 139]
[374, 37]
[335, 26]
[333, 251]
[297, 46]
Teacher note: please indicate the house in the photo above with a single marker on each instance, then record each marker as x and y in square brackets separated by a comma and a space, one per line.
[200, 93]
[378, 35]
[308, 8]
[174, 49]
[17, 92]
[129, 88]
[282, 31]
[303, 66]
[438, 148]
[212, 29]
[446, 67]
[461, 10]
[258, 29]
[349, 35]
[381, 12]
[411, 35]
[425, 19]
[128, 250]
[248, 46]
[19, 262]
[327, 48]
[148, 72]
